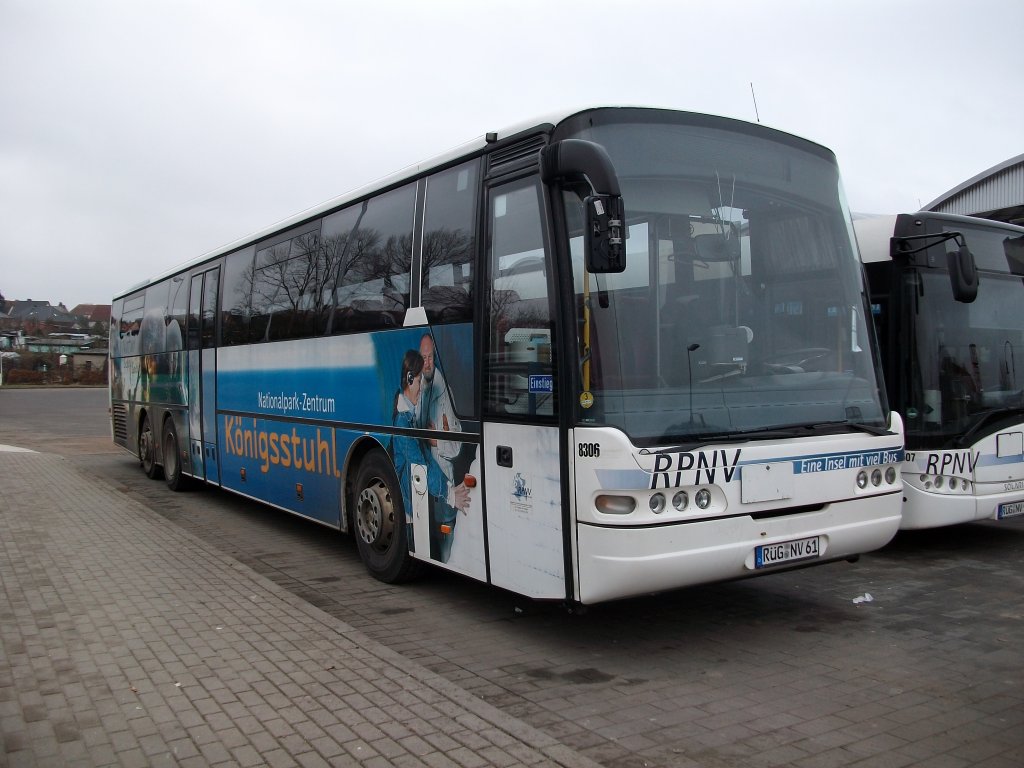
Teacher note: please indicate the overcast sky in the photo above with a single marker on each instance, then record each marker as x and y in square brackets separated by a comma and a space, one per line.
[138, 134]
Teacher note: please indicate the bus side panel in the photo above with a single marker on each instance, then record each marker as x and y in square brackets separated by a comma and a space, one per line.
[290, 412]
[524, 511]
[290, 465]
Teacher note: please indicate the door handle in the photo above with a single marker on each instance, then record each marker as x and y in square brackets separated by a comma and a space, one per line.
[504, 455]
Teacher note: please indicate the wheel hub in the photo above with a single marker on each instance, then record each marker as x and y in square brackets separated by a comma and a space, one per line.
[375, 516]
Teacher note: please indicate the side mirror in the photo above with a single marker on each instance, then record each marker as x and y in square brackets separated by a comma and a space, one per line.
[575, 160]
[963, 274]
[605, 242]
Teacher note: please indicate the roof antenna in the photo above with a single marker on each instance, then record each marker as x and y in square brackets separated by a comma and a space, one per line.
[756, 114]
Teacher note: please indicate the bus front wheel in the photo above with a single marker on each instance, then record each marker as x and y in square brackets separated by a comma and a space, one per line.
[378, 519]
[147, 449]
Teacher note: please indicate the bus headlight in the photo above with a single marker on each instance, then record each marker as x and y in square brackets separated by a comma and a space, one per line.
[703, 498]
[890, 475]
[944, 484]
[876, 478]
[615, 505]
[680, 501]
[657, 502]
[862, 479]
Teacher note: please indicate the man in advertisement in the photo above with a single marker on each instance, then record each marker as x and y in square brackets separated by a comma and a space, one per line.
[437, 414]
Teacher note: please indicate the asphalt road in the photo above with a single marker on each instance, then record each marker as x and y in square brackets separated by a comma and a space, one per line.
[912, 656]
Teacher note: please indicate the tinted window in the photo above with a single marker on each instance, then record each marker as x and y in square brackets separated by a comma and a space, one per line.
[237, 309]
[130, 325]
[520, 378]
[1000, 250]
[210, 291]
[195, 297]
[368, 253]
[448, 244]
[177, 310]
[152, 332]
[287, 290]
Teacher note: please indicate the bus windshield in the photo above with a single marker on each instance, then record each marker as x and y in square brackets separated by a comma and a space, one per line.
[741, 309]
[964, 355]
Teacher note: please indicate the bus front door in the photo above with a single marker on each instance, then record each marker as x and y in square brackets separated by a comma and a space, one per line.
[521, 447]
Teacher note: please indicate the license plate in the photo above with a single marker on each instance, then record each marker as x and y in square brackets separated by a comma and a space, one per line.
[1011, 510]
[786, 551]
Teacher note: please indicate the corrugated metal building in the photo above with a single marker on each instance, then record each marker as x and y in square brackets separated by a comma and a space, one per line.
[997, 194]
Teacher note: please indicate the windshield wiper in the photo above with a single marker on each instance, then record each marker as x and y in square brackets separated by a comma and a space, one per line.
[983, 418]
[854, 425]
[733, 436]
[775, 433]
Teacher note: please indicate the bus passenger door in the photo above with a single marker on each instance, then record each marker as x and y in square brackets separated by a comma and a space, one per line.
[520, 431]
[201, 374]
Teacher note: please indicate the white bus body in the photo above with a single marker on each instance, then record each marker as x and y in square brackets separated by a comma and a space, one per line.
[608, 353]
[950, 365]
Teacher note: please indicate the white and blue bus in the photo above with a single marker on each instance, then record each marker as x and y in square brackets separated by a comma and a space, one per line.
[613, 352]
[945, 292]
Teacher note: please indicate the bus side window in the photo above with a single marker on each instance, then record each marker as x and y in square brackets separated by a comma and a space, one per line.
[211, 289]
[152, 336]
[194, 303]
[177, 309]
[130, 324]
[237, 307]
[369, 248]
[269, 293]
[520, 366]
[449, 244]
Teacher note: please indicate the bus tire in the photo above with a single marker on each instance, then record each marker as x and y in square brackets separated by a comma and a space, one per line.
[175, 480]
[378, 521]
[147, 449]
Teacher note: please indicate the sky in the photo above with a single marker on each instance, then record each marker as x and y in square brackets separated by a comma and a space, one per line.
[136, 135]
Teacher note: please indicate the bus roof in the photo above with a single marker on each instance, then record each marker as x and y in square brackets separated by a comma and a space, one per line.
[469, 149]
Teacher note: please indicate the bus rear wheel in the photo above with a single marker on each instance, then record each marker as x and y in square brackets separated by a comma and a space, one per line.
[378, 520]
[147, 449]
[175, 480]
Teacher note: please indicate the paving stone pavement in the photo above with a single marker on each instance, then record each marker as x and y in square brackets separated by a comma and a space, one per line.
[125, 641]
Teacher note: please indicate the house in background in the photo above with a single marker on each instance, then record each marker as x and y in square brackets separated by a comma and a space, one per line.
[93, 314]
[36, 336]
